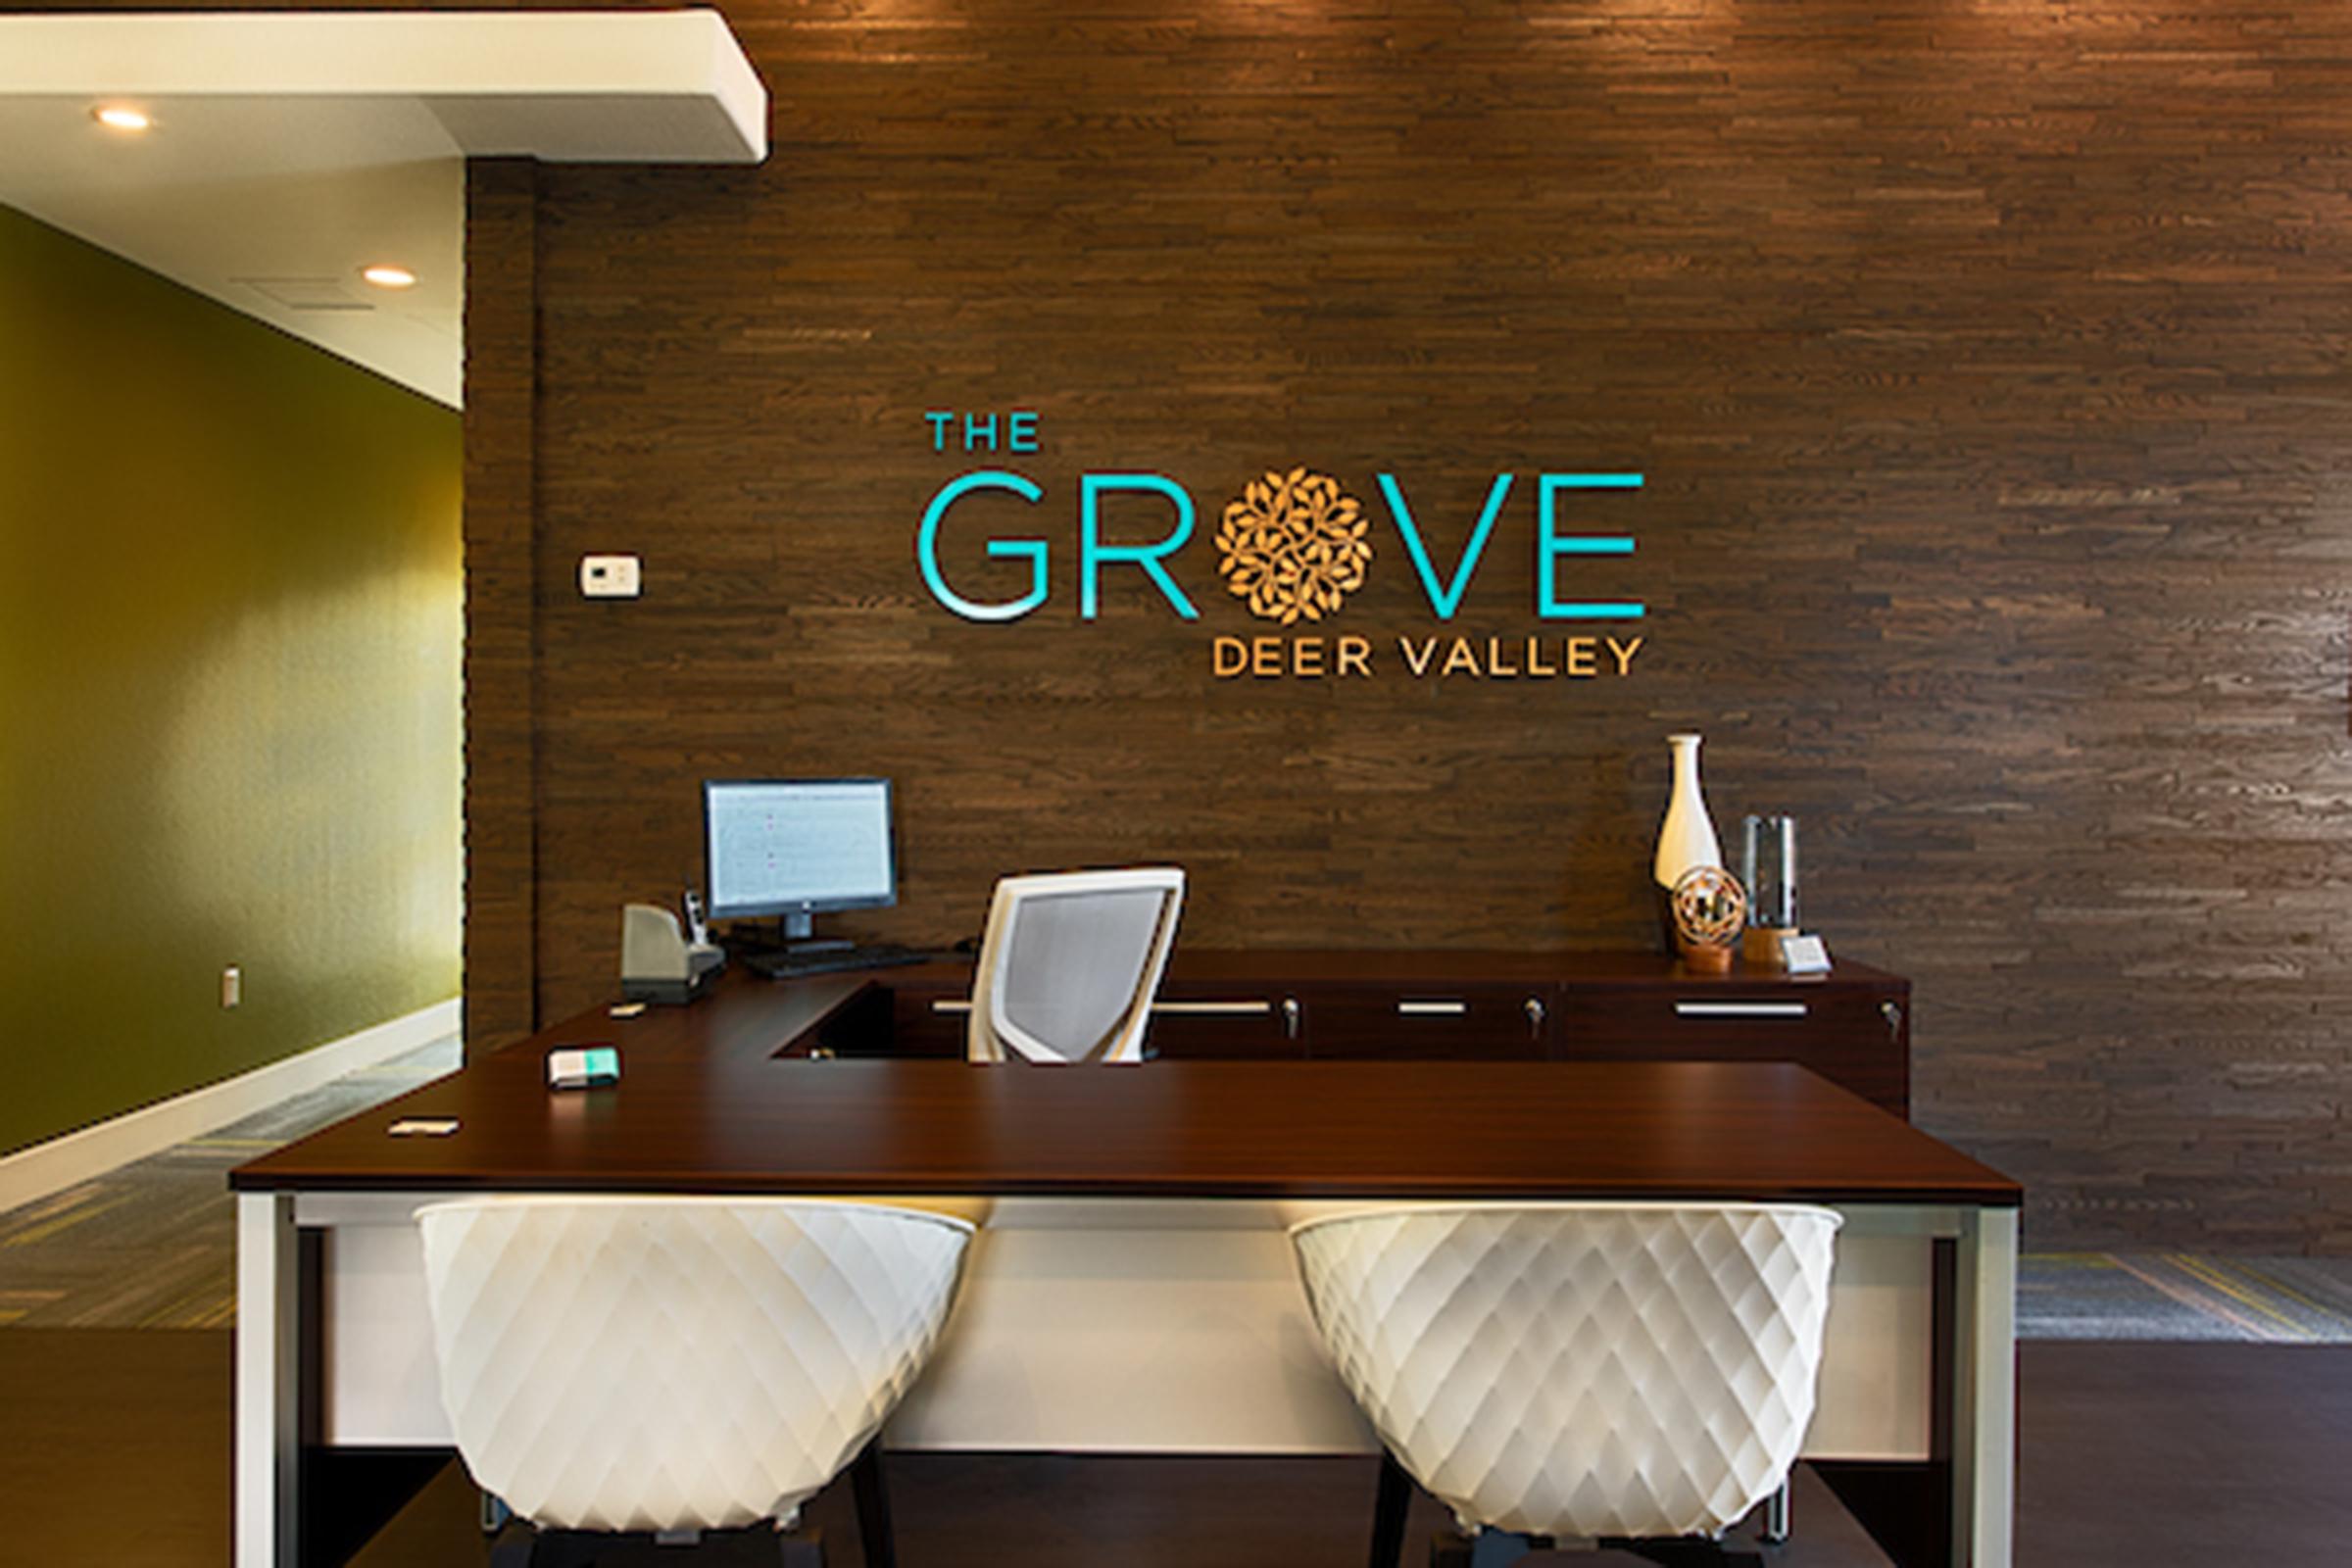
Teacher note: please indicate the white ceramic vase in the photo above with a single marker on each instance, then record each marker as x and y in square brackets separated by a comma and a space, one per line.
[1687, 838]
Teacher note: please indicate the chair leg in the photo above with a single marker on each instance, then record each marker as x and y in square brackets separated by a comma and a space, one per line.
[1390, 1504]
[873, 1507]
[1776, 1516]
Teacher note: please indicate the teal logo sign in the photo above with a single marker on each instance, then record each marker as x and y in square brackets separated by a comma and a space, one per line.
[1294, 545]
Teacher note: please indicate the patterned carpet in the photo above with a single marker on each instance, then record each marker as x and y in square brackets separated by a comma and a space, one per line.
[153, 1243]
[2181, 1296]
[152, 1246]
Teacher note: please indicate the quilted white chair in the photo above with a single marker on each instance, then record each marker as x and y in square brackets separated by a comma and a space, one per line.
[678, 1364]
[1622, 1372]
[1071, 964]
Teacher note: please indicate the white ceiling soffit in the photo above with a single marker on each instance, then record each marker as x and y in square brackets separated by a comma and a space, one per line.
[289, 150]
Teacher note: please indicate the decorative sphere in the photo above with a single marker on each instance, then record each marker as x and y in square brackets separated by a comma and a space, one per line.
[1709, 906]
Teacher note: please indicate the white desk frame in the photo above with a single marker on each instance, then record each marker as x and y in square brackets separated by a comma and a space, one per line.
[1115, 1325]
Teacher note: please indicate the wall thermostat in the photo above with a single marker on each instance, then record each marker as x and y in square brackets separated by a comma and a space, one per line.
[610, 577]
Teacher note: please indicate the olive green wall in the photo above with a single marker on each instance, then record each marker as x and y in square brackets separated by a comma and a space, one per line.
[229, 628]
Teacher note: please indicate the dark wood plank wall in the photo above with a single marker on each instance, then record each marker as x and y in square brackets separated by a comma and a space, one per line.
[1986, 360]
[501, 655]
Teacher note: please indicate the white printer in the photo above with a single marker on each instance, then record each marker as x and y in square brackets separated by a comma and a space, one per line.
[659, 963]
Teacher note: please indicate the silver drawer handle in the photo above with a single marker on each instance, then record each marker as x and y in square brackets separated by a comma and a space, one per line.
[1192, 1010]
[1432, 1010]
[1739, 1009]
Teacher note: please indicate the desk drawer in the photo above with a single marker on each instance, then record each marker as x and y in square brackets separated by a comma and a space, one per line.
[1226, 1026]
[1853, 1036]
[1467, 1022]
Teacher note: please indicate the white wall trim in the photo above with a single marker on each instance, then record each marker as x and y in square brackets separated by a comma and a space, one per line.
[566, 86]
[291, 149]
[74, 1157]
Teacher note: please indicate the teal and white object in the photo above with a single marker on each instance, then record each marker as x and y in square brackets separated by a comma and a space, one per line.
[583, 1067]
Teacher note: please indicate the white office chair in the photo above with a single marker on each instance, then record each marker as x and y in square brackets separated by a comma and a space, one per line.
[1071, 964]
[679, 1364]
[1641, 1374]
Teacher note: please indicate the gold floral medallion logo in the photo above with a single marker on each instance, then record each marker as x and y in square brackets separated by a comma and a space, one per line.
[1294, 545]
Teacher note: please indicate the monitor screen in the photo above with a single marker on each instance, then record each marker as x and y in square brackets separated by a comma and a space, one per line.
[789, 845]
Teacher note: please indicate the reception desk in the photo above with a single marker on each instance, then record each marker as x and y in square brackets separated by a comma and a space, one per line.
[1851, 1025]
[1133, 1291]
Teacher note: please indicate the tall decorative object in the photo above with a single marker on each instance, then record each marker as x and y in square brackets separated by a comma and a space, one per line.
[1768, 866]
[1687, 838]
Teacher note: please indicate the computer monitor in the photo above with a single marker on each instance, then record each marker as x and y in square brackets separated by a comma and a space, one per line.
[797, 846]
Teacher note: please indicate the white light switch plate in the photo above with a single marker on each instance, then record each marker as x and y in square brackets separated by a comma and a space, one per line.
[610, 577]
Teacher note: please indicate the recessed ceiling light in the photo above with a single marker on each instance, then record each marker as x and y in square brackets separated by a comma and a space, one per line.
[389, 276]
[121, 117]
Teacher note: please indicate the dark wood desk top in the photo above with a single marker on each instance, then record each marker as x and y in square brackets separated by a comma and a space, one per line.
[1342, 966]
[1584, 966]
[704, 1105]
[747, 1017]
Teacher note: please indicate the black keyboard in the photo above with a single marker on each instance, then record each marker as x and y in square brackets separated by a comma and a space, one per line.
[791, 965]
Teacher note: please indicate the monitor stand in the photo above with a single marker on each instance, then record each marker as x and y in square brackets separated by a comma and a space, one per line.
[797, 934]
[800, 951]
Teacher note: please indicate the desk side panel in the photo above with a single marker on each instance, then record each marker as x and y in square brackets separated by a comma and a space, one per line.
[383, 1387]
[1121, 1326]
